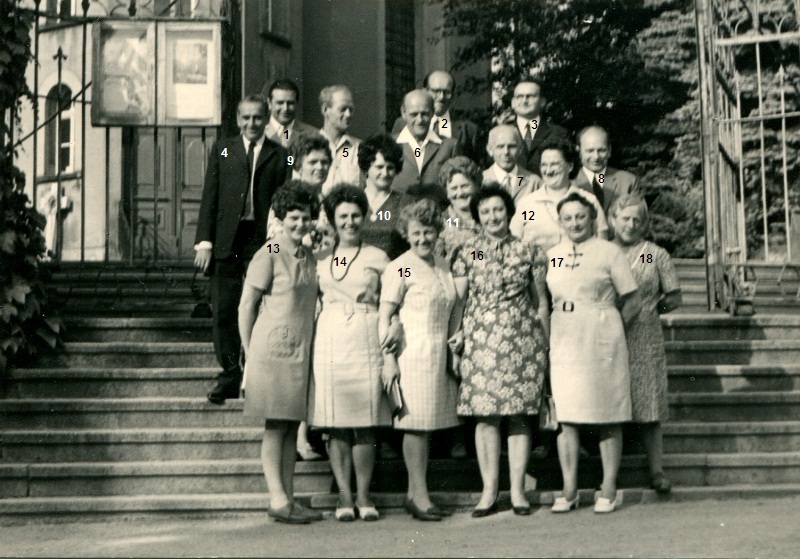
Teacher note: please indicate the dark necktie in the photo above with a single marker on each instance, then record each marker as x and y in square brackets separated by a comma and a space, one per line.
[597, 188]
[248, 201]
[528, 136]
[436, 125]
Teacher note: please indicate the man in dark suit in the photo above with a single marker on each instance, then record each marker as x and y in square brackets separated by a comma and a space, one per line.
[536, 130]
[595, 176]
[242, 175]
[441, 85]
[282, 98]
[424, 151]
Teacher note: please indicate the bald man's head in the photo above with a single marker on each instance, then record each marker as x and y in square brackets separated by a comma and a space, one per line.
[503, 146]
[417, 111]
[594, 148]
[441, 86]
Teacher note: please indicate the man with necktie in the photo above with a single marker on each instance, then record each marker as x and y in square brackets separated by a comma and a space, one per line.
[595, 176]
[242, 175]
[503, 147]
[536, 130]
[441, 85]
[424, 151]
[282, 98]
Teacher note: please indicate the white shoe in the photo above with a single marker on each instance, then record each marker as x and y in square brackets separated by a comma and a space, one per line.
[604, 505]
[562, 505]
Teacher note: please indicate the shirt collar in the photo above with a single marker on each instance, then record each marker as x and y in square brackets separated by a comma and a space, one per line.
[405, 137]
[259, 142]
[345, 140]
[446, 115]
[277, 127]
[590, 175]
[523, 122]
[500, 174]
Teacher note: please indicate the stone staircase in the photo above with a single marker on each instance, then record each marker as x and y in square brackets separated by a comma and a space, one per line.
[117, 422]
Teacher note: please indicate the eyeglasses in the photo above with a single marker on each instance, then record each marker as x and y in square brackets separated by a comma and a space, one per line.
[526, 96]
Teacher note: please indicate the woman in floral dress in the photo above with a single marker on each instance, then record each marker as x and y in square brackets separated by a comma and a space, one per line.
[505, 343]
[658, 285]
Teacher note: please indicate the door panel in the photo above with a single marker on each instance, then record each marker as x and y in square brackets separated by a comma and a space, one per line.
[155, 195]
[193, 157]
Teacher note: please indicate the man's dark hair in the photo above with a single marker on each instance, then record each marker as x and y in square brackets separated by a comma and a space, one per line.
[284, 84]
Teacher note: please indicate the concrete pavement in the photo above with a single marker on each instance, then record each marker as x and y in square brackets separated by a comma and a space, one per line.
[757, 527]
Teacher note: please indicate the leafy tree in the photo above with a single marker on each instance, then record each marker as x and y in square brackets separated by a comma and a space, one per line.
[25, 320]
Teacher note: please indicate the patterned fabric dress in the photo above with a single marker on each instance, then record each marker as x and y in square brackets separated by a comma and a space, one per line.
[458, 230]
[426, 297]
[505, 350]
[346, 386]
[656, 277]
[588, 355]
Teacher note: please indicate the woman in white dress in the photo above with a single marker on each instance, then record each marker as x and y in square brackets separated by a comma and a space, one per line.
[346, 397]
[593, 293]
[421, 286]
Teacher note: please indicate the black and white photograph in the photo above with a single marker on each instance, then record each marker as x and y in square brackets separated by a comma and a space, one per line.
[400, 278]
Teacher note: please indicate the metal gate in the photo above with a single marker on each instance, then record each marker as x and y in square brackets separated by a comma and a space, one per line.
[750, 116]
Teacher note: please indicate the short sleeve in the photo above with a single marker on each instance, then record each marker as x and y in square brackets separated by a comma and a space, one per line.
[261, 270]
[459, 265]
[621, 275]
[378, 260]
[393, 284]
[667, 276]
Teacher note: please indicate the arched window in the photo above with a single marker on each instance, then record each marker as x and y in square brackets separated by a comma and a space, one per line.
[58, 150]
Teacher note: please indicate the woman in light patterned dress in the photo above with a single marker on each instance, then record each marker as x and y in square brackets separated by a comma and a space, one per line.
[658, 284]
[420, 285]
[505, 344]
[461, 179]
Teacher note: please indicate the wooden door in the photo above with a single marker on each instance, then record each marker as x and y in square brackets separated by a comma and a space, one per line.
[154, 199]
[193, 156]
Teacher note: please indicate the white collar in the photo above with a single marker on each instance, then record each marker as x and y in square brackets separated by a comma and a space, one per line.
[405, 137]
[523, 122]
[500, 174]
[259, 142]
[445, 115]
[346, 139]
[278, 127]
[590, 175]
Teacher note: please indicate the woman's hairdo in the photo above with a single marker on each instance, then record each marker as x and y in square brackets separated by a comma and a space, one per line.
[344, 193]
[426, 211]
[294, 195]
[578, 197]
[567, 150]
[460, 165]
[629, 200]
[491, 190]
[303, 144]
[369, 149]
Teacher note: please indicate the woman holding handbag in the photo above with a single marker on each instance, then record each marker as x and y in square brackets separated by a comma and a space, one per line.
[505, 343]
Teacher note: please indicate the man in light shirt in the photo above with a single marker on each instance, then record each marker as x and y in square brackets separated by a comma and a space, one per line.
[503, 147]
[536, 130]
[536, 218]
[595, 176]
[282, 98]
[441, 85]
[242, 175]
[424, 151]
[336, 104]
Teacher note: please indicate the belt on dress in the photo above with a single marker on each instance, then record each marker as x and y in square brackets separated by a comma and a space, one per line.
[569, 306]
[351, 308]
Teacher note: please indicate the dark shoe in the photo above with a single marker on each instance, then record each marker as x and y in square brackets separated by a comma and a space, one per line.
[660, 483]
[304, 512]
[288, 514]
[222, 393]
[419, 514]
[480, 513]
[522, 511]
[440, 511]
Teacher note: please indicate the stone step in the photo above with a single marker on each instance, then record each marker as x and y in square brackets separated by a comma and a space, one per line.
[141, 382]
[735, 406]
[130, 354]
[128, 308]
[111, 329]
[27, 482]
[734, 378]
[130, 413]
[705, 326]
[731, 437]
[742, 352]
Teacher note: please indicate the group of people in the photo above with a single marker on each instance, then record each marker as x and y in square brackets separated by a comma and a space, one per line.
[391, 282]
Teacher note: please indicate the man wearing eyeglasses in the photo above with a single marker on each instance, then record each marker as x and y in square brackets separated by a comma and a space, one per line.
[536, 130]
[441, 86]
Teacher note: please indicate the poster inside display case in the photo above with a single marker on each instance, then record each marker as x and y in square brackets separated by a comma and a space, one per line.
[148, 73]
